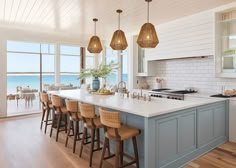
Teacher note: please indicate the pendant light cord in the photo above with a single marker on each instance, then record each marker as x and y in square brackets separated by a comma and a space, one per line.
[148, 12]
[119, 22]
[95, 28]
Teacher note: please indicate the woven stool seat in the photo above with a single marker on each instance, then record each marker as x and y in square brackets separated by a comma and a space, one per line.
[124, 132]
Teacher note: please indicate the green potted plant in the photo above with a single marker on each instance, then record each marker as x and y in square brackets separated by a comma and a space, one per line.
[102, 71]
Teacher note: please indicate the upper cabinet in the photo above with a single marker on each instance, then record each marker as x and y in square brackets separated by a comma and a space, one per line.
[142, 66]
[190, 36]
[225, 32]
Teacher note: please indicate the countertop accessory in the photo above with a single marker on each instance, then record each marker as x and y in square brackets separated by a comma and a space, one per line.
[141, 97]
[122, 87]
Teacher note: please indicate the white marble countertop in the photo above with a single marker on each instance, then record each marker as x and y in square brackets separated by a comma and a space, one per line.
[155, 107]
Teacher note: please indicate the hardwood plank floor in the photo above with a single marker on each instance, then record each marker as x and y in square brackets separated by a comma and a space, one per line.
[222, 157]
[23, 145]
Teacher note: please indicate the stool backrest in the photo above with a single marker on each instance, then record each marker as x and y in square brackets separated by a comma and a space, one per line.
[44, 97]
[110, 118]
[87, 110]
[56, 101]
[73, 108]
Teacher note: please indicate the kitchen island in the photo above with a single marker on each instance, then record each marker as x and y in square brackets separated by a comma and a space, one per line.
[174, 132]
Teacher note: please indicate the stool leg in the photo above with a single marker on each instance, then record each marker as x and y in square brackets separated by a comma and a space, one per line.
[75, 136]
[82, 142]
[42, 118]
[108, 147]
[103, 151]
[135, 151]
[92, 147]
[58, 125]
[121, 153]
[117, 154]
[73, 130]
[65, 115]
[53, 122]
[86, 135]
[98, 138]
[78, 130]
[47, 116]
[68, 133]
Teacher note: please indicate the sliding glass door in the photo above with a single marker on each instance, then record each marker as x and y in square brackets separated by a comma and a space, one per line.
[29, 67]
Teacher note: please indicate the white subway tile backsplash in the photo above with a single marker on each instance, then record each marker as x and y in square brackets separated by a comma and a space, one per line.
[193, 72]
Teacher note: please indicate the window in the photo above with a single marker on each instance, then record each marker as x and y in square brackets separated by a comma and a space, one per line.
[70, 64]
[89, 63]
[111, 55]
[124, 66]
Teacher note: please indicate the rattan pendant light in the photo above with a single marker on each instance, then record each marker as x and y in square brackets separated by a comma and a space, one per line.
[95, 45]
[147, 37]
[118, 41]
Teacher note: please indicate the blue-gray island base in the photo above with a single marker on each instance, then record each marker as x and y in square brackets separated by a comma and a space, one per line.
[174, 139]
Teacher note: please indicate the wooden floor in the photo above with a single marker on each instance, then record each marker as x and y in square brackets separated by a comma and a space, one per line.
[222, 157]
[24, 145]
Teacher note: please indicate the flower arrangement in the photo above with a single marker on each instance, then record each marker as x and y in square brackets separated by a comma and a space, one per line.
[158, 80]
[102, 71]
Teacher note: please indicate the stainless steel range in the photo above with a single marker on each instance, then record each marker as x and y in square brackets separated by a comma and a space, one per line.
[170, 94]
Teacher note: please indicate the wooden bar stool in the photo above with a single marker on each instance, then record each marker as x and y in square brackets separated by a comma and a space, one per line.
[59, 112]
[92, 122]
[47, 107]
[72, 107]
[118, 133]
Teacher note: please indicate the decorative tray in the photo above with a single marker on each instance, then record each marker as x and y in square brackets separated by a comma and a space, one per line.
[109, 93]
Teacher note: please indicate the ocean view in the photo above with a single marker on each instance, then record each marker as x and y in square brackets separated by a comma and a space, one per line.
[33, 81]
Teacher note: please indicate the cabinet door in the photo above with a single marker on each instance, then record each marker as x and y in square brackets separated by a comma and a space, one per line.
[187, 132]
[176, 136]
[167, 139]
[232, 121]
[219, 122]
[205, 124]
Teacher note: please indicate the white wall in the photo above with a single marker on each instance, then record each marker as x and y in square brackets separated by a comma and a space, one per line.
[194, 72]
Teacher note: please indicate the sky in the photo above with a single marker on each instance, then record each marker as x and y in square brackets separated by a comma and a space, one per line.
[22, 62]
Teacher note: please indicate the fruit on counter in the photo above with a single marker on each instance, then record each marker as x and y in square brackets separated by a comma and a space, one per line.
[103, 91]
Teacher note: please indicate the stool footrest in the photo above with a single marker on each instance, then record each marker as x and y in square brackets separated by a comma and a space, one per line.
[128, 156]
[108, 157]
[128, 164]
[97, 149]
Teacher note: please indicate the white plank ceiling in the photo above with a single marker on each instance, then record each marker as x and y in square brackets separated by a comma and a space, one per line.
[74, 17]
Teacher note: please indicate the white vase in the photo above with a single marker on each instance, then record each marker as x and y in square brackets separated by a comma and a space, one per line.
[158, 85]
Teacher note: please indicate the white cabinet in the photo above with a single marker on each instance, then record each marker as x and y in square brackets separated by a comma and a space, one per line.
[232, 121]
[191, 36]
[225, 31]
[142, 66]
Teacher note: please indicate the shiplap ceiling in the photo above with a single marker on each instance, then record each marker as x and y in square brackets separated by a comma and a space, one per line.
[74, 17]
